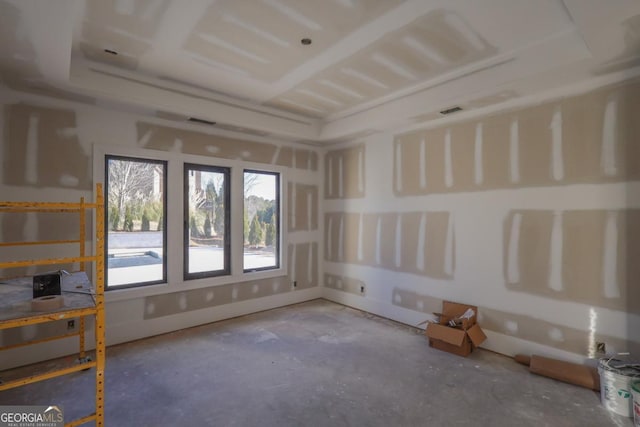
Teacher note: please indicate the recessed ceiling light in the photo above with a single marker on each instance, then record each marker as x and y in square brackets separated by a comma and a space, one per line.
[111, 52]
[306, 41]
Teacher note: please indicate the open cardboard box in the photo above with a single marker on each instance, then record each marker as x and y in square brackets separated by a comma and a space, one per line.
[462, 338]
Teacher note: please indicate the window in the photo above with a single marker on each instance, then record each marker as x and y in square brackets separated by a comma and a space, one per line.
[261, 220]
[206, 221]
[135, 228]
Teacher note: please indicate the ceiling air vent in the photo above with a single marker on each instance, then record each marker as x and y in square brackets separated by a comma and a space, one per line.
[450, 110]
[201, 121]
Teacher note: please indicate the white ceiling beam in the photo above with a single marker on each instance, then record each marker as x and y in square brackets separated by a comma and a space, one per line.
[48, 25]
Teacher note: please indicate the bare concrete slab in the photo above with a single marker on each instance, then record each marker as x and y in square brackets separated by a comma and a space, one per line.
[315, 364]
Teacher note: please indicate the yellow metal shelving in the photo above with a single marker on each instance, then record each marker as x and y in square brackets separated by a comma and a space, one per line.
[78, 304]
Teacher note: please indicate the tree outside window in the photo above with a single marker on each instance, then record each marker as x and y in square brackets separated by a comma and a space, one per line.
[135, 212]
[206, 238]
[261, 220]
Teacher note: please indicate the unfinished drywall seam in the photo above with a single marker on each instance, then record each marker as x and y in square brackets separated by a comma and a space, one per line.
[478, 165]
[610, 284]
[423, 165]
[379, 241]
[513, 267]
[398, 242]
[420, 263]
[398, 167]
[448, 165]
[30, 170]
[555, 254]
[609, 136]
[293, 205]
[557, 161]
[360, 238]
[514, 152]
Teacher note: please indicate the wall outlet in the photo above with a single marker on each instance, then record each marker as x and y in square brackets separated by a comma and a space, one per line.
[601, 348]
[362, 289]
[71, 324]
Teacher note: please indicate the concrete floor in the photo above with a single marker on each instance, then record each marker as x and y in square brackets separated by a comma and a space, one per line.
[314, 364]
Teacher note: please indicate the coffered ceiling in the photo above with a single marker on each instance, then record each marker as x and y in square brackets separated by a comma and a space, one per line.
[370, 64]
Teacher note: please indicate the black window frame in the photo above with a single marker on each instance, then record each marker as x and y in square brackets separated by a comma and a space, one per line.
[226, 270]
[165, 167]
[278, 176]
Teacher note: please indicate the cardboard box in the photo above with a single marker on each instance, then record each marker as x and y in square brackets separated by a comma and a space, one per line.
[460, 339]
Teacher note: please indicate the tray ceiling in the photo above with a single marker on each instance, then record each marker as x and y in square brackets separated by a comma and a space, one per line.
[232, 60]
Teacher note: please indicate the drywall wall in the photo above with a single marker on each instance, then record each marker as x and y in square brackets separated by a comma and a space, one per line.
[416, 242]
[344, 173]
[582, 139]
[48, 152]
[529, 213]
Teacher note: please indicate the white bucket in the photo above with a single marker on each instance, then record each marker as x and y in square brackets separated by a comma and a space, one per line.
[635, 391]
[616, 377]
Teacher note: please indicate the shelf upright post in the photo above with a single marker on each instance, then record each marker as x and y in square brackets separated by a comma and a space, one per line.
[81, 327]
[100, 318]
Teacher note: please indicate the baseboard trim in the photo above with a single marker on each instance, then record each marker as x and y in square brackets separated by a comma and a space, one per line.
[496, 342]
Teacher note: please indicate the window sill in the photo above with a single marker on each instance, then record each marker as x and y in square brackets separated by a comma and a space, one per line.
[124, 294]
